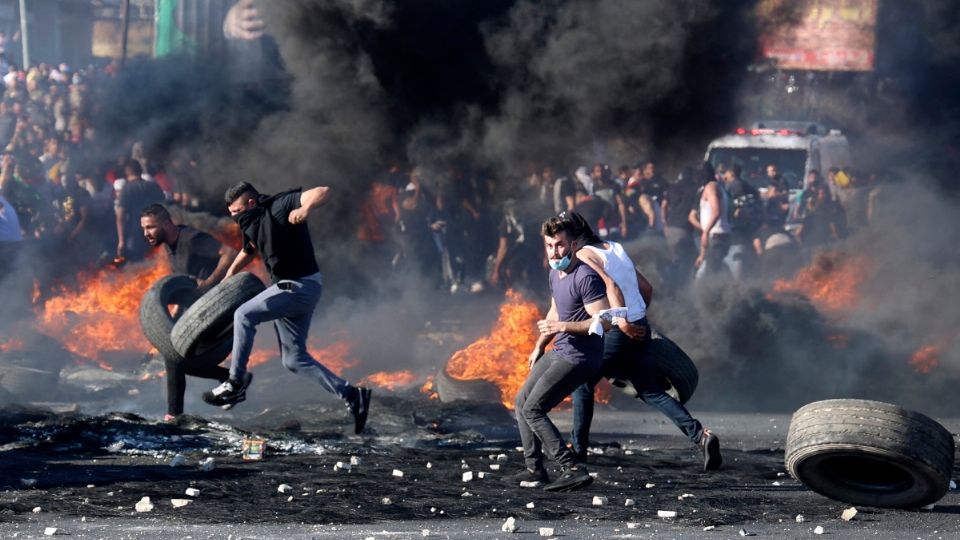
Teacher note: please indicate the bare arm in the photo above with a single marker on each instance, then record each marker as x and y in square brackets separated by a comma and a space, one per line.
[694, 219]
[498, 260]
[543, 339]
[712, 197]
[309, 199]
[614, 294]
[227, 256]
[120, 237]
[242, 259]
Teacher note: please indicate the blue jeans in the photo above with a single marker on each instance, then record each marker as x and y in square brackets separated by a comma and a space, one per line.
[549, 382]
[626, 357]
[289, 304]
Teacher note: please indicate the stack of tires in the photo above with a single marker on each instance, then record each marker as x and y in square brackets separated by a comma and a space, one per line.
[202, 330]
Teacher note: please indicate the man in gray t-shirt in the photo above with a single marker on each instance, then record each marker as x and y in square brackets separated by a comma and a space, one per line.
[577, 293]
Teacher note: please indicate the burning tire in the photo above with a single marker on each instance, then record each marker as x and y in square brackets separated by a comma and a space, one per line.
[675, 371]
[870, 453]
[206, 325]
[450, 389]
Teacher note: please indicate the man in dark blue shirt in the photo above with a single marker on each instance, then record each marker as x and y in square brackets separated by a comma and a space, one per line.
[276, 228]
[577, 293]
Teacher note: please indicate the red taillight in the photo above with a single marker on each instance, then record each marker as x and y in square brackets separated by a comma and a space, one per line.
[755, 132]
[741, 131]
[783, 132]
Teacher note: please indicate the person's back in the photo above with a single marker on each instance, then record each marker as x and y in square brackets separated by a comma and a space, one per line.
[618, 265]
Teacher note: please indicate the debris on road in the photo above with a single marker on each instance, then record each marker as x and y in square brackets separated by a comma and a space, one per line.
[666, 513]
[283, 488]
[510, 525]
[546, 531]
[180, 503]
[599, 501]
[192, 492]
[849, 514]
[144, 505]
[818, 530]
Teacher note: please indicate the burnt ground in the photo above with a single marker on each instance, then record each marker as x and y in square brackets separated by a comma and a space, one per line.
[85, 473]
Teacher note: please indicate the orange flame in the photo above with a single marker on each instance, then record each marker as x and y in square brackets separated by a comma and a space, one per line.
[102, 316]
[501, 357]
[927, 358]
[11, 345]
[389, 380]
[832, 282]
[335, 356]
[429, 388]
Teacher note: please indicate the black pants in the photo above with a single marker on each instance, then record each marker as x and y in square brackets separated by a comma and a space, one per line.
[177, 372]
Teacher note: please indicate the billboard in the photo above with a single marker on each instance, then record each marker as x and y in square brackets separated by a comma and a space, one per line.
[824, 35]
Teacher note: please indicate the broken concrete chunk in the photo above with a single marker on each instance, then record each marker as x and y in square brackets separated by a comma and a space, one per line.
[800, 518]
[180, 503]
[818, 530]
[398, 473]
[208, 464]
[481, 475]
[743, 532]
[28, 482]
[953, 485]
[356, 460]
[528, 484]
[425, 532]
[494, 466]
[849, 514]
[192, 492]
[531, 505]
[144, 505]
[503, 457]
[686, 496]
[467, 476]
[709, 527]
[50, 531]
[178, 461]
[290, 498]
[650, 486]
[546, 531]
[666, 513]
[341, 466]
[510, 525]
[283, 488]
[386, 500]
[37, 510]
[599, 501]
[632, 525]
[629, 502]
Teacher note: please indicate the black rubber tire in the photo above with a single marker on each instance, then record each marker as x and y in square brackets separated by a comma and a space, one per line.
[207, 324]
[450, 389]
[870, 453]
[675, 371]
[155, 319]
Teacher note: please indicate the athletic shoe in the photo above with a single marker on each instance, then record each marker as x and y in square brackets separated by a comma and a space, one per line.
[572, 478]
[710, 445]
[229, 393]
[359, 408]
[537, 477]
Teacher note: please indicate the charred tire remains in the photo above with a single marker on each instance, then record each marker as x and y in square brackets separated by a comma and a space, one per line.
[206, 325]
[870, 453]
[675, 371]
[450, 389]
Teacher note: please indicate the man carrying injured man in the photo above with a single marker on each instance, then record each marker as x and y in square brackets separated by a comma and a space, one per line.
[625, 347]
[577, 293]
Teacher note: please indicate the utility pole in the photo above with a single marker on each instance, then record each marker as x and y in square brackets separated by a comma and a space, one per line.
[23, 34]
[124, 30]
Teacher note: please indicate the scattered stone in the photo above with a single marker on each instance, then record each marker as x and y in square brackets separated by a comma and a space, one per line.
[179, 503]
[743, 532]
[192, 492]
[503, 457]
[398, 473]
[178, 461]
[666, 513]
[341, 466]
[593, 474]
[531, 505]
[629, 502]
[599, 501]
[144, 505]
[28, 482]
[776, 483]
[208, 464]
[356, 461]
[510, 525]
[466, 494]
[464, 466]
[425, 532]
[290, 498]
[386, 500]
[546, 531]
[781, 474]
[50, 531]
[818, 530]
[632, 525]
[849, 514]
[953, 485]
[481, 475]
[90, 486]
[709, 527]
[37, 510]
[528, 484]
[650, 486]
[467, 476]
[494, 466]
[686, 496]
[628, 453]
[429, 465]
[283, 488]
[800, 518]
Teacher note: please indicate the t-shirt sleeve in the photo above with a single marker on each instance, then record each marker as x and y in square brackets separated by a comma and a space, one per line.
[284, 204]
[591, 287]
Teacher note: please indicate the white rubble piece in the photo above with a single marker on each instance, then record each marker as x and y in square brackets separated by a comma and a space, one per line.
[283, 488]
[546, 531]
[800, 518]
[144, 505]
[28, 482]
[666, 513]
[37, 510]
[503, 457]
[425, 533]
[953, 485]
[356, 461]
[290, 498]
[50, 531]
[467, 476]
[632, 525]
[709, 527]
[494, 466]
[429, 465]
[743, 532]
[180, 503]
[650, 486]
[531, 505]
[386, 500]
[466, 494]
[849, 514]
[818, 530]
[192, 492]
[481, 475]
[398, 473]
[529, 484]
[341, 466]
[686, 496]
[629, 502]
[208, 464]
[178, 461]
[510, 525]
[599, 501]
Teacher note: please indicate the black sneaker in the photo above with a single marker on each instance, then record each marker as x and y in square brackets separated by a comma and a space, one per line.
[536, 477]
[359, 408]
[710, 444]
[229, 393]
[572, 478]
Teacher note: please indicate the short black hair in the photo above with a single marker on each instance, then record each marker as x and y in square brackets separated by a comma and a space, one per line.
[157, 211]
[235, 191]
[133, 166]
[557, 225]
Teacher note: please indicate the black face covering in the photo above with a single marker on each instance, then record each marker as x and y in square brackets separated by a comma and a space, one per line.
[249, 220]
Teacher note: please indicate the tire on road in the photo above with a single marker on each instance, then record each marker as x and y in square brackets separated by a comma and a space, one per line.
[674, 370]
[207, 324]
[450, 389]
[870, 453]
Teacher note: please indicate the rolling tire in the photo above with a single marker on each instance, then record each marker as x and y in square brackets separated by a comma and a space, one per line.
[674, 370]
[206, 325]
[157, 323]
[450, 389]
[870, 453]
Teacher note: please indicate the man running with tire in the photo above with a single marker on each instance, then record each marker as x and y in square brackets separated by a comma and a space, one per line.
[275, 227]
[203, 258]
[577, 293]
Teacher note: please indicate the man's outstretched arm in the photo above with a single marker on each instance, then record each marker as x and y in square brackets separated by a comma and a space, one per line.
[309, 199]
